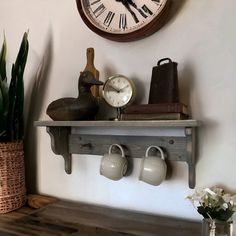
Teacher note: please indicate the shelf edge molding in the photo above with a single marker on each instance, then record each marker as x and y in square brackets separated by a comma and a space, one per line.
[135, 123]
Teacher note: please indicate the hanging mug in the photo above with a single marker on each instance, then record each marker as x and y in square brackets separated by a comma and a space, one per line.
[114, 165]
[153, 168]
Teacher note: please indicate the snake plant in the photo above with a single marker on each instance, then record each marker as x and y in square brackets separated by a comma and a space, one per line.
[12, 96]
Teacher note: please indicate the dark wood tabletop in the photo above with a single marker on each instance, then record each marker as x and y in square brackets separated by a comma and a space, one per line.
[64, 218]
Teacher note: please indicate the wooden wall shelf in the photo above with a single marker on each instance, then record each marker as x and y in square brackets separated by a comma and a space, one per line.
[67, 139]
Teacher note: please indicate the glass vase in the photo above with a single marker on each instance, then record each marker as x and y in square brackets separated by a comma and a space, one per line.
[212, 227]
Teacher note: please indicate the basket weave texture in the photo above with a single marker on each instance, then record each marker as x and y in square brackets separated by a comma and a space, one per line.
[12, 176]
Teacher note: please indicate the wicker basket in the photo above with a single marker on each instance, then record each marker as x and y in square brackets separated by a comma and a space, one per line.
[12, 176]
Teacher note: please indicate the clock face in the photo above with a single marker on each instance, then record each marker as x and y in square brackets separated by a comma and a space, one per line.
[123, 20]
[118, 91]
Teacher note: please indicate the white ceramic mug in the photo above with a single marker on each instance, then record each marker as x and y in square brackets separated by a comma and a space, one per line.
[153, 168]
[113, 165]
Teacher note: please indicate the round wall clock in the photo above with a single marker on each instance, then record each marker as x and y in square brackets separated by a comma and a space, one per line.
[123, 20]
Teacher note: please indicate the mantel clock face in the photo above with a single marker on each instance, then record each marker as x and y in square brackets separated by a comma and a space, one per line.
[119, 91]
[123, 20]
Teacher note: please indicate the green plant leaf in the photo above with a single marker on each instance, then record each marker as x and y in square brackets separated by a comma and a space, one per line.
[12, 100]
[22, 54]
[16, 91]
[3, 137]
[13, 97]
[4, 104]
[16, 105]
[215, 213]
[3, 92]
[224, 215]
[2, 116]
[203, 211]
[4, 89]
[3, 60]
[19, 106]
[1, 106]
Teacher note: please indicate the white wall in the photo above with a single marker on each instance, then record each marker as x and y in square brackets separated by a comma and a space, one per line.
[200, 35]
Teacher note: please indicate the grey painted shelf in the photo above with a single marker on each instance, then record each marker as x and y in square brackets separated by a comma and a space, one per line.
[67, 139]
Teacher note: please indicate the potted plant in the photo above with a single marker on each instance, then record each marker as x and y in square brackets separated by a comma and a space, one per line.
[12, 188]
[217, 208]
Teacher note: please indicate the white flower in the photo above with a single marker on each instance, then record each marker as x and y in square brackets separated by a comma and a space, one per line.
[225, 206]
[227, 197]
[218, 191]
[198, 196]
[213, 198]
[233, 199]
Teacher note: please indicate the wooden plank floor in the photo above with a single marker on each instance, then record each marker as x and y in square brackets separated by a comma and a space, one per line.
[77, 219]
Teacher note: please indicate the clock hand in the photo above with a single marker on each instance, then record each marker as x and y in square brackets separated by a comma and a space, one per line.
[124, 87]
[113, 88]
[138, 9]
[127, 6]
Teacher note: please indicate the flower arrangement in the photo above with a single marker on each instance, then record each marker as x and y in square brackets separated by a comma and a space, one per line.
[214, 203]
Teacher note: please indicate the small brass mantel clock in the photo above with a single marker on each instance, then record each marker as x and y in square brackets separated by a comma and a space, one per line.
[123, 20]
[119, 91]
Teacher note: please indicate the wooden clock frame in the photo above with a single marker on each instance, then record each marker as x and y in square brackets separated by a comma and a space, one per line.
[145, 31]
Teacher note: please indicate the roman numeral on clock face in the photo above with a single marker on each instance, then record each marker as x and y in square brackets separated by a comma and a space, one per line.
[156, 1]
[99, 10]
[146, 10]
[159, 3]
[94, 2]
[109, 18]
[123, 21]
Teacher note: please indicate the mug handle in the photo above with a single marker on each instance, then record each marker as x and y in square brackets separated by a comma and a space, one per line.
[158, 148]
[117, 145]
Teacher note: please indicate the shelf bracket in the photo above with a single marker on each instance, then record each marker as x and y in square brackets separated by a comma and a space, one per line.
[191, 154]
[59, 144]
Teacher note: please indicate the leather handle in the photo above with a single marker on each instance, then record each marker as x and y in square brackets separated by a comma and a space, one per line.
[164, 59]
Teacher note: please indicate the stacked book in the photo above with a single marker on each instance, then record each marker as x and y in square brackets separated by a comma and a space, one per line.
[159, 111]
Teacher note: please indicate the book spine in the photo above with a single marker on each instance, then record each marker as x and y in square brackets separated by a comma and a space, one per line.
[163, 116]
[157, 108]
